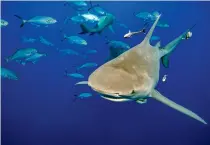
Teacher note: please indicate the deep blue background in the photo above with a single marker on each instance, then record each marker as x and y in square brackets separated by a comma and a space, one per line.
[38, 108]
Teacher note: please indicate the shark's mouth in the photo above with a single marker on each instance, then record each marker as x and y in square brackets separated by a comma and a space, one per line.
[116, 96]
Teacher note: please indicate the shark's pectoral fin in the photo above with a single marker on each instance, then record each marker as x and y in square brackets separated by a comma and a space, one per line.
[156, 95]
[111, 29]
[165, 61]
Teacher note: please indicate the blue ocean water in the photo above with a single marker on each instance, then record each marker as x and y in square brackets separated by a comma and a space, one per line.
[40, 108]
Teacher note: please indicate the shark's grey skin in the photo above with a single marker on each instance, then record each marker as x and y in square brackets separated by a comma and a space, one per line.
[104, 22]
[22, 54]
[133, 75]
[5, 73]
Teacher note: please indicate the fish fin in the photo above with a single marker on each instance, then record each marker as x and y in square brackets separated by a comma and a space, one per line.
[158, 44]
[23, 63]
[7, 59]
[66, 72]
[156, 95]
[23, 21]
[149, 34]
[92, 33]
[75, 98]
[84, 28]
[173, 44]
[111, 29]
[84, 56]
[165, 61]
[64, 37]
[141, 101]
[107, 40]
[129, 31]
[34, 62]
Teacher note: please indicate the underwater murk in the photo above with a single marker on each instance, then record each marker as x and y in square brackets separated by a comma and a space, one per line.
[105, 73]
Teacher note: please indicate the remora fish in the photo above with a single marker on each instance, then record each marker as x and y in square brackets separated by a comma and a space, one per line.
[5, 73]
[43, 20]
[129, 34]
[82, 83]
[133, 75]
[105, 21]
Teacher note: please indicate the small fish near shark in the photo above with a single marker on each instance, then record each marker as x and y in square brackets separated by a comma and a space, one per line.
[37, 20]
[133, 75]
[8, 74]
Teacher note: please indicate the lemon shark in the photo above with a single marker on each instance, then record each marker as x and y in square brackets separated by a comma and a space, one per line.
[133, 75]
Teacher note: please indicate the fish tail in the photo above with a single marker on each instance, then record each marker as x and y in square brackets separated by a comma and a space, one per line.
[84, 28]
[23, 21]
[84, 56]
[65, 72]
[23, 63]
[75, 98]
[107, 40]
[64, 37]
[7, 59]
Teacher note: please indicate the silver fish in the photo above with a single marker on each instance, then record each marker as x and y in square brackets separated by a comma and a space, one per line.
[39, 20]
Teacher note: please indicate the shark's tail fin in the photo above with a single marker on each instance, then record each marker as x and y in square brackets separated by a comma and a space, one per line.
[23, 21]
[84, 28]
[156, 95]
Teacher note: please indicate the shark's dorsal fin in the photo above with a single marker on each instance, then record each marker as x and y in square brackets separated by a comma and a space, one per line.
[149, 34]
[129, 31]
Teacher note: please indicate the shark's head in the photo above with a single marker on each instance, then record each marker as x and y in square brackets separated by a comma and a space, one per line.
[119, 77]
